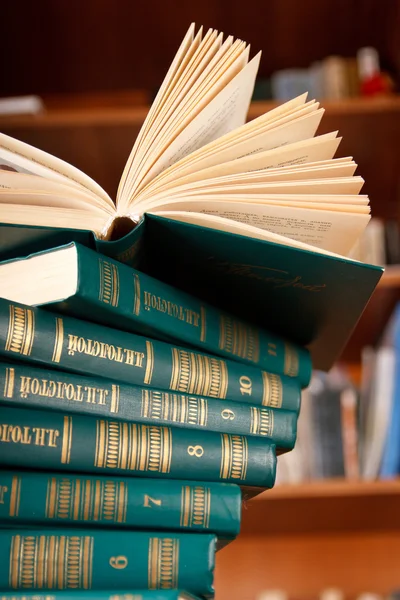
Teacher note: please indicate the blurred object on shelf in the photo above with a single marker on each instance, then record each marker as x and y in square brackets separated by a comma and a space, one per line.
[277, 594]
[372, 80]
[21, 105]
[334, 77]
[332, 594]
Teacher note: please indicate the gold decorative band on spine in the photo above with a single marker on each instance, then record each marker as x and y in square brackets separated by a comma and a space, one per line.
[114, 399]
[239, 339]
[21, 330]
[136, 304]
[203, 331]
[120, 597]
[194, 373]
[9, 382]
[51, 562]
[66, 441]
[58, 340]
[79, 499]
[149, 362]
[291, 363]
[174, 408]
[15, 496]
[163, 563]
[234, 457]
[261, 421]
[109, 283]
[272, 390]
[133, 447]
[195, 506]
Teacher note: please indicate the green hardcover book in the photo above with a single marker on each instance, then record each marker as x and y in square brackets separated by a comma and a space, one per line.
[255, 218]
[38, 336]
[94, 559]
[102, 595]
[22, 385]
[54, 441]
[55, 500]
[79, 282]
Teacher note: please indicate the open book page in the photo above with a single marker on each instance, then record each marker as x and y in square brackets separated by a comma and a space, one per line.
[330, 230]
[319, 148]
[251, 139]
[301, 129]
[229, 138]
[342, 185]
[37, 162]
[333, 169]
[57, 194]
[202, 51]
[273, 135]
[198, 96]
[229, 226]
[184, 52]
[45, 216]
[225, 112]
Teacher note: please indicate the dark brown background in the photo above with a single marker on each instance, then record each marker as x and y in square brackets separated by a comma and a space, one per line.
[55, 46]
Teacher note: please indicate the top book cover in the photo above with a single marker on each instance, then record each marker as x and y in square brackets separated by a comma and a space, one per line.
[257, 218]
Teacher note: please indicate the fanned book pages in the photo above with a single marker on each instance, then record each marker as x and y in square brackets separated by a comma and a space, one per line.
[258, 218]
[195, 160]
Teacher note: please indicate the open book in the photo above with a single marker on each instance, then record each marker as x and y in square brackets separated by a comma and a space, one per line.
[197, 161]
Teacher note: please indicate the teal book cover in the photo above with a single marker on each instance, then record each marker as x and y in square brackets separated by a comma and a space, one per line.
[70, 499]
[312, 299]
[54, 441]
[82, 559]
[101, 595]
[82, 283]
[24, 386]
[35, 335]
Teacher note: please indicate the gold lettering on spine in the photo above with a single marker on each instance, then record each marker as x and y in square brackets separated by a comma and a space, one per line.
[203, 331]
[86, 500]
[58, 341]
[291, 363]
[51, 561]
[9, 382]
[272, 390]
[21, 330]
[197, 374]
[133, 447]
[15, 496]
[136, 304]
[149, 362]
[163, 563]
[175, 408]
[114, 399]
[66, 441]
[195, 506]
[234, 457]
[109, 283]
[239, 339]
[262, 421]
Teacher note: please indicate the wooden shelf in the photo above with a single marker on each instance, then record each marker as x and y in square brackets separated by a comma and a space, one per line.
[324, 506]
[331, 488]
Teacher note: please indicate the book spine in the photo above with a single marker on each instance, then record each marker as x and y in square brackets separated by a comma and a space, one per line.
[37, 336]
[53, 499]
[114, 294]
[102, 595]
[88, 559]
[55, 441]
[25, 386]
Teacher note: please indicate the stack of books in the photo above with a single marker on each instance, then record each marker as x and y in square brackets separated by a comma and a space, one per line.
[138, 407]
